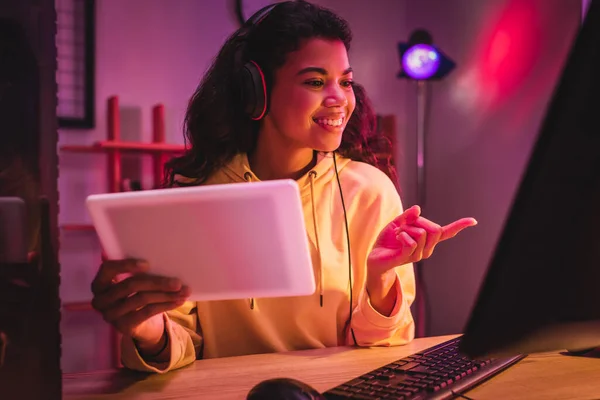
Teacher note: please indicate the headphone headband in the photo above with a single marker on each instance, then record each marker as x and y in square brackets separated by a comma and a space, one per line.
[253, 84]
[261, 14]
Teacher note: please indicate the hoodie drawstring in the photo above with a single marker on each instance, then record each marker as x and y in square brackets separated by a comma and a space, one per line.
[248, 178]
[312, 175]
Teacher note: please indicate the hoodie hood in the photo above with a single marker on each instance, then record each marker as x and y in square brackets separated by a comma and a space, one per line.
[238, 170]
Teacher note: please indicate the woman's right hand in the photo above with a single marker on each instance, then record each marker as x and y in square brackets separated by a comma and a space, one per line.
[134, 305]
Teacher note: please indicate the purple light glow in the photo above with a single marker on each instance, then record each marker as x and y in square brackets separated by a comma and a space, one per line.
[421, 61]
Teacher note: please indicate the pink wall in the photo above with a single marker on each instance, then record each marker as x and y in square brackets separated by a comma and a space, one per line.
[483, 121]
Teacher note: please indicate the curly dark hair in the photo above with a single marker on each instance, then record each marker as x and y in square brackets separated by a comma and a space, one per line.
[216, 126]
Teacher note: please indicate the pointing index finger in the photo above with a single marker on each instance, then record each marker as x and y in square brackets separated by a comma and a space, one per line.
[453, 228]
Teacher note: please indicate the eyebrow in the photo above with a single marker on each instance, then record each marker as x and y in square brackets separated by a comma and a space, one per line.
[320, 70]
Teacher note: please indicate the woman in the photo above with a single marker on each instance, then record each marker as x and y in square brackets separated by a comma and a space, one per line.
[315, 128]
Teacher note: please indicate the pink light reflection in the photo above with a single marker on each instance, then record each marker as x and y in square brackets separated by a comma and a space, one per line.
[502, 58]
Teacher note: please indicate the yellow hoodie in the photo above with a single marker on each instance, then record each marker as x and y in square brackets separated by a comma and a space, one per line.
[238, 327]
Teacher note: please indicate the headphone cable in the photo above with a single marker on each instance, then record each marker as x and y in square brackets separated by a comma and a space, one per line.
[348, 242]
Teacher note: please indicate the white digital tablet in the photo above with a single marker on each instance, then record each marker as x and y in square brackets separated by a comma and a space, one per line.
[226, 241]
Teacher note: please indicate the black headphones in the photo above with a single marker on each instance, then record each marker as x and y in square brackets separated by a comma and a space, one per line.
[253, 84]
[254, 91]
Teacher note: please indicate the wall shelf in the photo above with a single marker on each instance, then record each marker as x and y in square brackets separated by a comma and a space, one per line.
[132, 147]
[78, 228]
[113, 148]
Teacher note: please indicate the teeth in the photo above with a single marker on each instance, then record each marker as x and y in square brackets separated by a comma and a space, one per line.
[330, 122]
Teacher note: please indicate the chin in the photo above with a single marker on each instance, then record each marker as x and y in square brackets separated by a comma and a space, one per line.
[327, 145]
[327, 148]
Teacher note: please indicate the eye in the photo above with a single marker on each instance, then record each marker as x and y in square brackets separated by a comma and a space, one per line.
[348, 83]
[314, 83]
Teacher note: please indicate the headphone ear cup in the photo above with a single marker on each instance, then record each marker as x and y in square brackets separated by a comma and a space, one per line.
[254, 91]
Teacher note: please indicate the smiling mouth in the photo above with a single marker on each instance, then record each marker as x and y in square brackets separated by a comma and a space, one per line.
[330, 122]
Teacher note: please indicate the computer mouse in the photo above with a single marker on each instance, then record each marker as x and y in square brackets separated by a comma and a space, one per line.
[283, 389]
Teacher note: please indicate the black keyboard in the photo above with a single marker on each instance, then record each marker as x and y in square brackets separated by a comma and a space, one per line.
[439, 372]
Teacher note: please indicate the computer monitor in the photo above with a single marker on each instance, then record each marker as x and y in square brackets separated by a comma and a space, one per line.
[542, 288]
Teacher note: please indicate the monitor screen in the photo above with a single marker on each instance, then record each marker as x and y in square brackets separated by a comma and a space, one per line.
[542, 288]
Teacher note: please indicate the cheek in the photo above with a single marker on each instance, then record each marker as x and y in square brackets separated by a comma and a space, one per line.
[303, 103]
[296, 106]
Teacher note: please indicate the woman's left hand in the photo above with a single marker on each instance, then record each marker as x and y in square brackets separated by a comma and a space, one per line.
[410, 238]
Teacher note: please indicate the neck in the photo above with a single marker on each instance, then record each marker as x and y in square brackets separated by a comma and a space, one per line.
[274, 160]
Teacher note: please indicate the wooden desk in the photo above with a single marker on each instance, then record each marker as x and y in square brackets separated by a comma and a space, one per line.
[543, 376]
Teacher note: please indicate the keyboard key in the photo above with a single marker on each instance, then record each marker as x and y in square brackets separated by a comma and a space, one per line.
[420, 368]
[381, 384]
[408, 366]
[355, 382]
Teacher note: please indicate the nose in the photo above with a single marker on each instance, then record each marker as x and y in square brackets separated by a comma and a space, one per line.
[336, 97]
